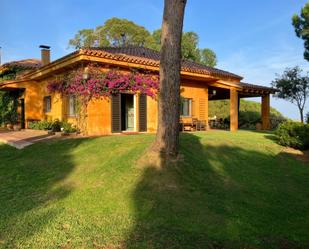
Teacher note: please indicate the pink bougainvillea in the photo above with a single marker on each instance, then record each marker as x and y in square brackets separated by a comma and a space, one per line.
[97, 84]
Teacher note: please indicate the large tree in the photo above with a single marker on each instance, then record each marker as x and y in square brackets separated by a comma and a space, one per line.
[114, 32]
[167, 138]
[301, 25]
[294, 87]
[208, 57]
[189, 47]
[122, 32]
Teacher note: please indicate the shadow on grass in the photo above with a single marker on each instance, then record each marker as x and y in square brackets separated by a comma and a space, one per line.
[30, 180]
[221, 197]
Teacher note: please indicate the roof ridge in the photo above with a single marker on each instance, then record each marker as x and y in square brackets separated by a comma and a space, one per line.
[22, 61]
[135, 51]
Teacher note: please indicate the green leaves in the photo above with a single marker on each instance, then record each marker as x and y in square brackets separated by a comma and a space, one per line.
[293, 87]
[293, 134]
[114, 32]
[189, 48]
[123, 32]
[301, 26]
[8, 107]
[208, 57]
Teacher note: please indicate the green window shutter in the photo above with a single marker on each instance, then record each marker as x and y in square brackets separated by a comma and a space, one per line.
[116, 113]
[142, 112]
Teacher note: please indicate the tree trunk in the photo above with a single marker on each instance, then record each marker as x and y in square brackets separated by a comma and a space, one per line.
[301, 111]
[167, 139]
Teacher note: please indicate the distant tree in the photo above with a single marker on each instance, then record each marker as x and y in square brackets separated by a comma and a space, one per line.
[293, 87]
[122, 32]
[84, 38]
[189, 48]
[154, 40]
[307, 117]
[167, 138]
[208, 57]
[114, 32]
[301, 25]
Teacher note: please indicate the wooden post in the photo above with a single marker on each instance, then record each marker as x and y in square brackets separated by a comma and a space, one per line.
[265, 110]
[207, 109]
[233, 109]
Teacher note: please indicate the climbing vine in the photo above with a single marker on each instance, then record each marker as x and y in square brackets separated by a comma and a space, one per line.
[93, 83]
[8, 107]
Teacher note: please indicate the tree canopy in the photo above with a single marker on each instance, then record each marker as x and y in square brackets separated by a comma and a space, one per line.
[122, 32]
[293, 87]
[301, 25]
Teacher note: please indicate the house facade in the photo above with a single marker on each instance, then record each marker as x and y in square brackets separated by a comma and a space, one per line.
[129, 112]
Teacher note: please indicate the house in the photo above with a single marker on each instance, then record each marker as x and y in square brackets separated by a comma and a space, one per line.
[126, 111]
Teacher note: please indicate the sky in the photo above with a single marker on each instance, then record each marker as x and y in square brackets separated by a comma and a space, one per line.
[254, 39]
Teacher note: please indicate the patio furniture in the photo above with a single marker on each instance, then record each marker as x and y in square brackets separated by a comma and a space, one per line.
[192, 124]
[202, 125]
[186, 124]
[195, 124]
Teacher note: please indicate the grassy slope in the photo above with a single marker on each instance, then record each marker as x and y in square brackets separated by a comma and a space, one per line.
[222, 107]
[231, 190]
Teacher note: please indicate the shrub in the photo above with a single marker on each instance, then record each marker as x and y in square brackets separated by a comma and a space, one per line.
[56, 125]
[276, 120]
[8, 107]
[293, 134]
[46, 125]
[41, 125]
[68, 127]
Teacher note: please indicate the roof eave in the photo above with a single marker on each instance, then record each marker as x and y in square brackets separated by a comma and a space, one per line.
[82, 54]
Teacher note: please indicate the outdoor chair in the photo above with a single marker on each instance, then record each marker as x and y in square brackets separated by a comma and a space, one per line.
[202, 125]
[195, 124]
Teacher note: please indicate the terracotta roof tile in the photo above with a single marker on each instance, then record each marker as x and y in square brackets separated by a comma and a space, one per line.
[146, 56]
[257, 87]
[16, 69]
[27, 64]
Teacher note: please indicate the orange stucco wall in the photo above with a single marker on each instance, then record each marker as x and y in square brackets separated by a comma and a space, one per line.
[99, 117]
[99, 111]
[33, 96]
[196, 91]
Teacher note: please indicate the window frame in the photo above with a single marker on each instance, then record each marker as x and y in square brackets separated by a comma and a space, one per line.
[70, 113]
[45, 109]
[190, 100]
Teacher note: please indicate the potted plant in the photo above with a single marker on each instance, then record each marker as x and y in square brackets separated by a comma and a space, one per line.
[68, 129]
[11, 120]
[16, 127]
[9, 126]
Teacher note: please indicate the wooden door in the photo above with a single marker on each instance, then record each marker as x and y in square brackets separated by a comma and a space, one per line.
[116, 113]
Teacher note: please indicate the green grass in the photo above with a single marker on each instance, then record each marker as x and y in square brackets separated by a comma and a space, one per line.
[232, 190]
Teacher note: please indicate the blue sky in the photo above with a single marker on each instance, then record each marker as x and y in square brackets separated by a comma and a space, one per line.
[254, 39]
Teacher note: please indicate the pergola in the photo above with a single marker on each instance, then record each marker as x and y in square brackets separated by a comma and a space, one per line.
[245, 90]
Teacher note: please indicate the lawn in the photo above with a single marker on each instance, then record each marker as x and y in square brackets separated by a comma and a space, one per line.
[232, 190]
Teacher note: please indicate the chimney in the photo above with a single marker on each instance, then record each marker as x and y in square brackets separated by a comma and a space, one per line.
[45, 54]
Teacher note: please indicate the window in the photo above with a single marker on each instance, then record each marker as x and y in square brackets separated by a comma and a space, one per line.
[72, 105]
[47, 104]
[185, 107]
